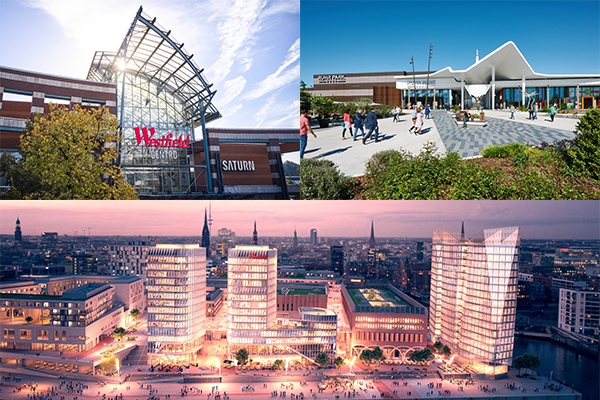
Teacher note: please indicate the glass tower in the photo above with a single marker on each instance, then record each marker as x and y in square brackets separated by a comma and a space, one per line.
[473, 296]
[176, 285]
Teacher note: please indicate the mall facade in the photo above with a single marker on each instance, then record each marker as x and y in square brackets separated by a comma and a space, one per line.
[163, 103]
[473, 300]
[498, 80]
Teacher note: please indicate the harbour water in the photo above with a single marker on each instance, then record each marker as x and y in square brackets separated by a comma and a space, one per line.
[577, 370]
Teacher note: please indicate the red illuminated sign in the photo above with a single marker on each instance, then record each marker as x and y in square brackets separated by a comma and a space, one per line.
[166, 141]
[257, 256]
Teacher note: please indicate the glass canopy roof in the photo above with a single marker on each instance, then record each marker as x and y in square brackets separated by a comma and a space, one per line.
[153, 53]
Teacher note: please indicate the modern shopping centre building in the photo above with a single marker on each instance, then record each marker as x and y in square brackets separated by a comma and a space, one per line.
[162, 100]
[501, 78]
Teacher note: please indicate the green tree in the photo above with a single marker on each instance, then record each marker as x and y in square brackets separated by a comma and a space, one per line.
[68, 154]
[438, 346]
[377, 355]
[584, 155]
[531, 362]
[119, 333]
[371, 296]
[366, 356]
[321, 180]
[135, 313]
[29, 319]
[278, 364]
[339, 361]
[519, 362]
[446, 351]
[109, 364]
[241, 356]
[421, 355]
[323, 106]
[322, 359]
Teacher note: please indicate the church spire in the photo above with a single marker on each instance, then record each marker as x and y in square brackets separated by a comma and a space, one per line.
[206, 234]
[18, 231]
[254, 235]
[462, 230]
[372, 239]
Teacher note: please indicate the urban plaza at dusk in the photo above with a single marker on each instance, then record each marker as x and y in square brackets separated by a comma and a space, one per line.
[225, 299]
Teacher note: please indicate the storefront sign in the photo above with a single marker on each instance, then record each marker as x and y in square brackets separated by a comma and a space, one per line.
[421, 84]
[166, 141]
[235, 165]
[332, 79]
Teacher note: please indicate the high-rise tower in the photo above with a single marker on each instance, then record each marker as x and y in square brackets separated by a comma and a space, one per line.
[313, 237]
[372, 239]
[295, 239]
[18, 231]
[206, 234]
[176, 285]
[254, 235]
[474, 296]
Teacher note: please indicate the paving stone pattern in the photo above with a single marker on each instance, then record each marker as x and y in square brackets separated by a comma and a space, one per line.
[469, 142]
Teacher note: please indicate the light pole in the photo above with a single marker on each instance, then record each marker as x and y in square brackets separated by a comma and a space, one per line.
[428, 64]
[414, 82]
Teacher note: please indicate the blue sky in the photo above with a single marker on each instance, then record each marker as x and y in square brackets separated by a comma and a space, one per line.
[249, 49]
[555, 37]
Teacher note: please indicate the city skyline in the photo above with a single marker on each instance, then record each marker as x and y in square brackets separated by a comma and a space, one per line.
[539, 220]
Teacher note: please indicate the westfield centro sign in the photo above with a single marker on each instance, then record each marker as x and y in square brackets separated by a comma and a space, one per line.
[145, 136]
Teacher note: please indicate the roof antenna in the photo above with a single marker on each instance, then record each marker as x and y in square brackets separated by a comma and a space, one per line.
[476, 56]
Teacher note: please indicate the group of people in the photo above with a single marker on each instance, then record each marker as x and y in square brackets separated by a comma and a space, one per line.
[368, 122]
[533, 110]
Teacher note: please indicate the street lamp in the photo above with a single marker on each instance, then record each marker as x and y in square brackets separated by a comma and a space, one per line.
[428, 64]
[412, 62]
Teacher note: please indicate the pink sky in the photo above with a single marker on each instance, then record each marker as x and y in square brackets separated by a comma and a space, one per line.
[538, 219]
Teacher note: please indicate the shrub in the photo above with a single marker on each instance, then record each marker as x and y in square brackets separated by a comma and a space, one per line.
[503, 150]
[455, 108]
[584, 154]
[321, 180]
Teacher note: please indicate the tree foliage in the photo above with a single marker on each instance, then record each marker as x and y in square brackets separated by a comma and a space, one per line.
[421, 355]
[374, 356]
[135, 313]
[68, 154]
[584, 155]
[339, 361]
[527, 361]
[119, 333]
[321, 180]
[241, 356]
[438, 346]
[322, 359]
[29, 319]
[323, 106]
[446, 351]
[278, 364]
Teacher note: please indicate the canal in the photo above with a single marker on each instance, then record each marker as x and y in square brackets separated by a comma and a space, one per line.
[578, 370]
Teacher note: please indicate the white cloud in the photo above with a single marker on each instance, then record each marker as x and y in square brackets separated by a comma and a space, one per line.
[231, 89]
[230, 111]
[281, 77]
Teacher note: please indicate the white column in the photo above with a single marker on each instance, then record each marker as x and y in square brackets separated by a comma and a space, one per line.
[462, 95]
[522, 90]
[493, 86]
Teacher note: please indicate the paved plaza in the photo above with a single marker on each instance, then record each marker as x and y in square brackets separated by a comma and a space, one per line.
[272, 385]
[350, 156]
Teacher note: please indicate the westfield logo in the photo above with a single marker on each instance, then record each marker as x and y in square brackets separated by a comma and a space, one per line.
[145, 135]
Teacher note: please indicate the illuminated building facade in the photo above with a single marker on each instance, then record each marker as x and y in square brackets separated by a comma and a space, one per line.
[474, 296]
[386, 318]
[579, 312]
[128, 259]
[176, 286]
[252, 321]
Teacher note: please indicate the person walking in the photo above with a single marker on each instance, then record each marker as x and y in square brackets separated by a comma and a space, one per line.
[427, 110]
[531, 111]
[552, 112]
[419, 123]
[347, 124]
[535, 110]
[395, 113]
[371, 125]
[304, 129]
[512, 111]
[358, 124]
[414, 120]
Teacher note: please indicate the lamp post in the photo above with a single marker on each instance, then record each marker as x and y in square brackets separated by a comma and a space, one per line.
[412, 62]
[428, 64]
